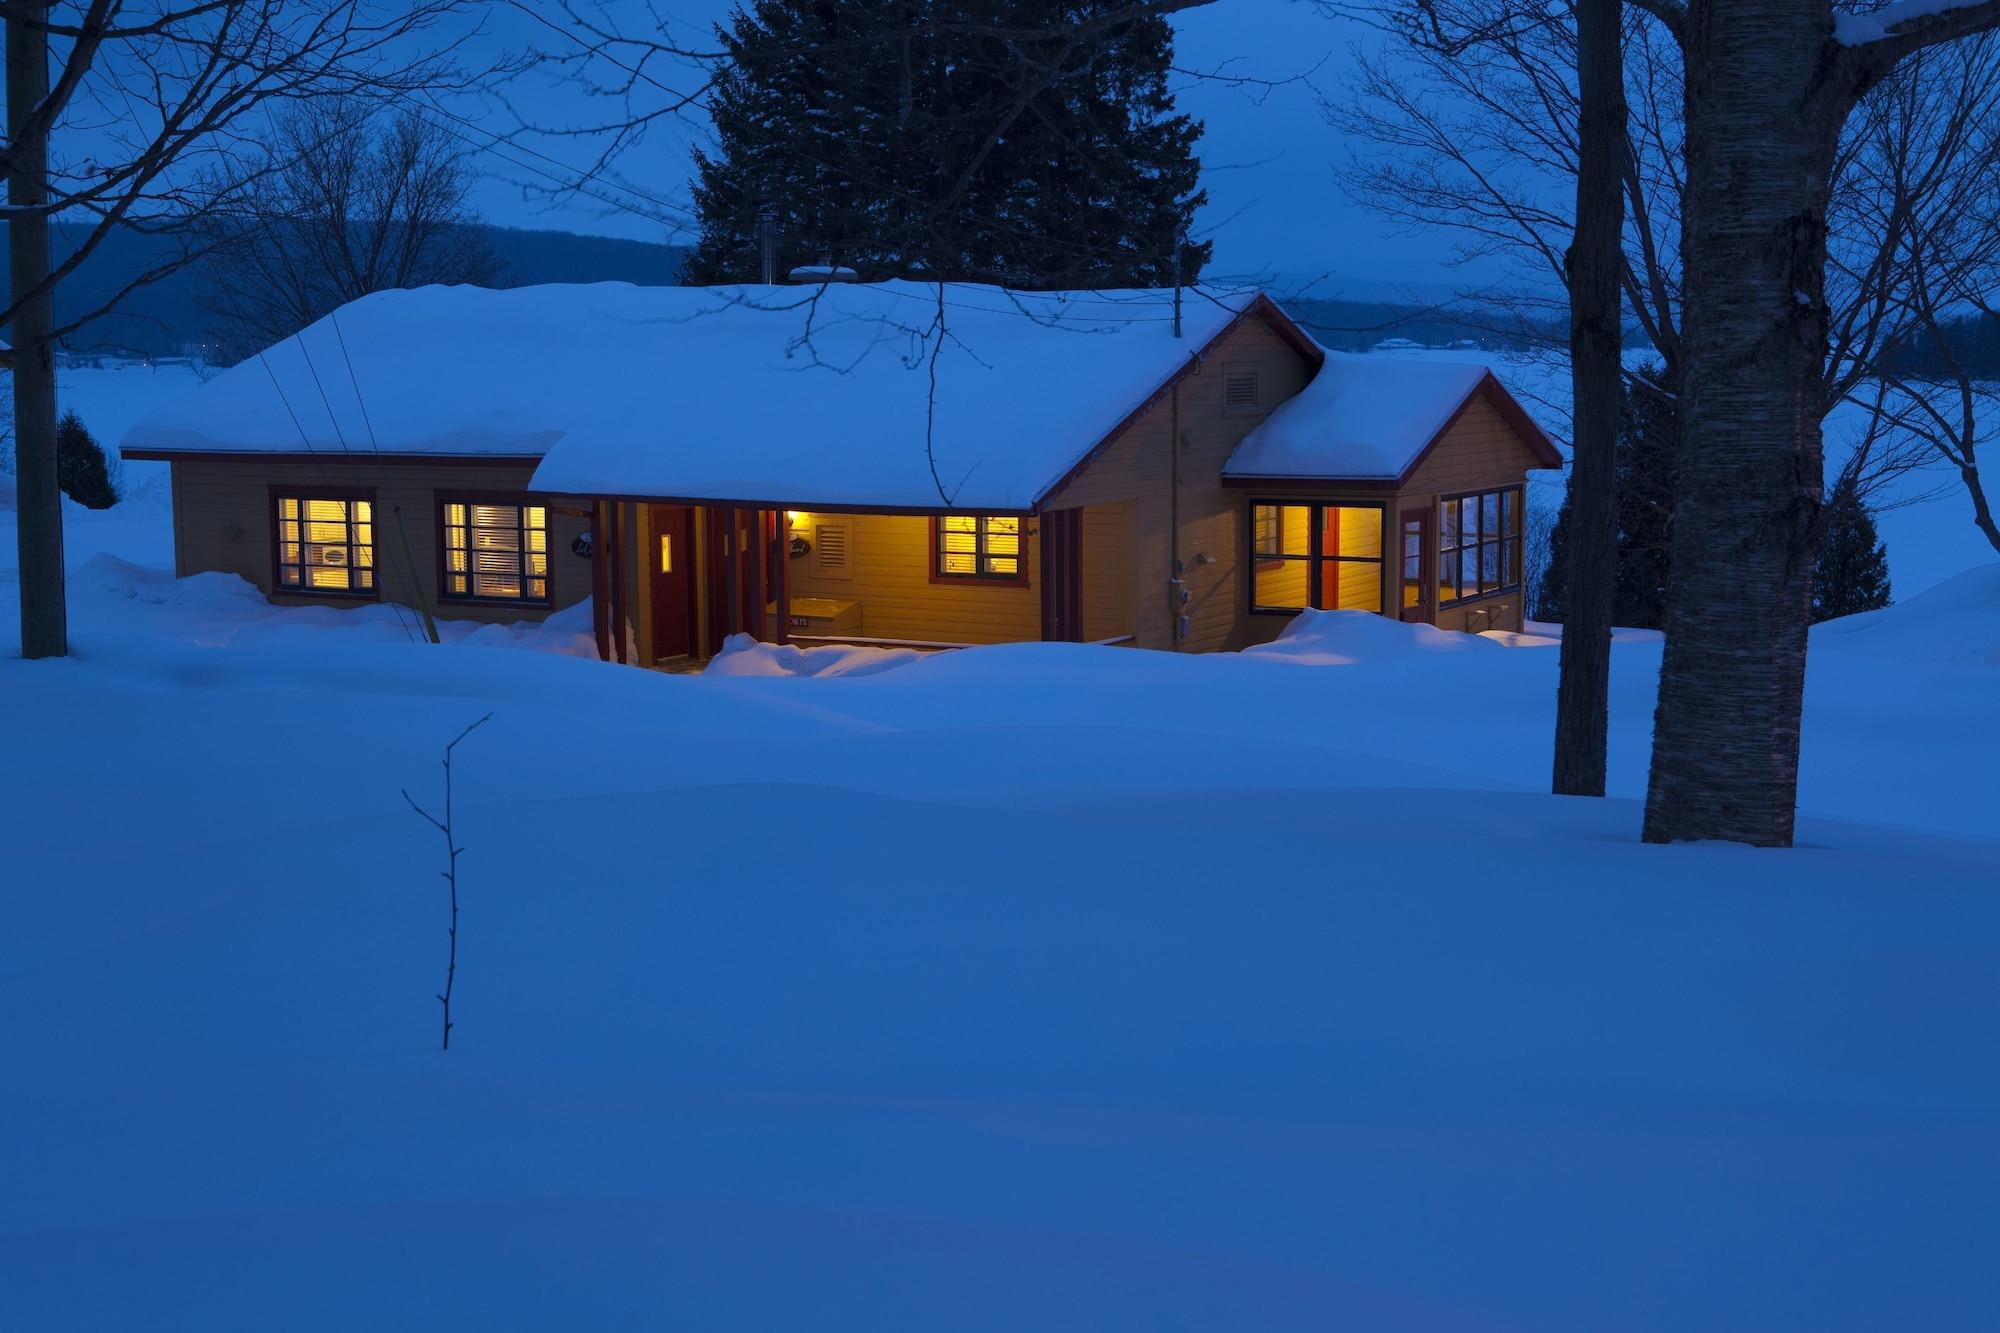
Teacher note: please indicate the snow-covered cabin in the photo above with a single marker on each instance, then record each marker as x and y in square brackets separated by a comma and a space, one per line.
[865, 461]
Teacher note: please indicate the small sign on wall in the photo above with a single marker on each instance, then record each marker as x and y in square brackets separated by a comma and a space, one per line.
[581, 546]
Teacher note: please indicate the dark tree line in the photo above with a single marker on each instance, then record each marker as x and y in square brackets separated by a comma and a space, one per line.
[1008, 143]
[1850, 571]
[1970, 344]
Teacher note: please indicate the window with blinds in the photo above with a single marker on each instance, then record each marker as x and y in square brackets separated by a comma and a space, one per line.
[495, 552]
[326, 545]
[979, 546]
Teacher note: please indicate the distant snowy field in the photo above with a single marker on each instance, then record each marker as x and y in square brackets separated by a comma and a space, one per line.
[1040, 986]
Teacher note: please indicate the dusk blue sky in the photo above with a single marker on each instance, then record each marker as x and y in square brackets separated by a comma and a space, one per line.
[1269, 157]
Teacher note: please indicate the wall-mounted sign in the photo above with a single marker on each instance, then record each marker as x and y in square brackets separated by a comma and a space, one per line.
[581, 546]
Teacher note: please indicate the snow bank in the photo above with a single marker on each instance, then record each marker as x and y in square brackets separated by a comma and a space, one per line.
[1957, 621]
[742, 655]
[1349, 638]
[216, 610]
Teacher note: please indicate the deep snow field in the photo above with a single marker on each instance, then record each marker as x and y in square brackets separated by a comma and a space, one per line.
[1042, 986]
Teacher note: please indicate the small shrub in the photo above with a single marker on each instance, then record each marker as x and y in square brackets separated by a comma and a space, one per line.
[81, 468]
[1851, 574]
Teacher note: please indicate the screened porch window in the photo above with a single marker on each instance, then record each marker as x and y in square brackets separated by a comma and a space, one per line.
[1479, 545]
[326, 545]
[495, 552]
[1325, 557]
[979, 546]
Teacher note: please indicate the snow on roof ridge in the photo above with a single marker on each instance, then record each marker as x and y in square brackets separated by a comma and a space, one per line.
[1365, 416]
[817, 394]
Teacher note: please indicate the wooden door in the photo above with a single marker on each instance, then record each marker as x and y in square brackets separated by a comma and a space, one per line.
[1419, 556]
[673, 582]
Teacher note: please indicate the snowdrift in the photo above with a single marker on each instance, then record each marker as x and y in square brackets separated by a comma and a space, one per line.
[1957, 621]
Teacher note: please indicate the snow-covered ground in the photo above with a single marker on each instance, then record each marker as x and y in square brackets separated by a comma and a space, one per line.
[1041, 986]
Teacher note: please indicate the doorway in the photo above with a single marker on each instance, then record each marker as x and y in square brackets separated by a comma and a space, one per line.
[1419, 599]
[673, 583]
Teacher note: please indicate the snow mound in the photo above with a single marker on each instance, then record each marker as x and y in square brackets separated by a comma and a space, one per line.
[566, 633]
[226, 593]
[1957, 621]
[742, 655]
[1353, 638]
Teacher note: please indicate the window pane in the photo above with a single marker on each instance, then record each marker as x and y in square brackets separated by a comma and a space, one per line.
[1510, 554]
[1352, 531]
[1350, 585]
[1489, 566]
[1264, 527]
[958, 523]
[1295, 530]
[1489, 515]
[1003, 565]
[1281, 583]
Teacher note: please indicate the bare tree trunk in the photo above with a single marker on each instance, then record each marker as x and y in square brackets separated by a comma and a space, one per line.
[44, 618]
[1595, 267]
[1763, 122]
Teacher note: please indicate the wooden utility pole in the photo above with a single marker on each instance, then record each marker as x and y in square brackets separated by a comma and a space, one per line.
[44, 620]
[1595, 265]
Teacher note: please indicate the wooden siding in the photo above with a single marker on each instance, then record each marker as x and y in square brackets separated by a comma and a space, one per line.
[889, 573]
[1110, 571]
[1480, 452]
[222, 523]
[1137, 469]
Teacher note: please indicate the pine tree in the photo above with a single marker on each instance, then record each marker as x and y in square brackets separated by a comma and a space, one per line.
[1851, 572]
[1645, 513]
[891, 138]
[81, 469]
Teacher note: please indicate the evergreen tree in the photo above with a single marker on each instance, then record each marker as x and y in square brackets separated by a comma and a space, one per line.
[1851, 572]
[893, 138]
[81, 469]
[1646, 440]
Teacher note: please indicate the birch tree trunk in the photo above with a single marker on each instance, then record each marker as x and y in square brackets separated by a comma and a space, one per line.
[1763, 121]
[44, 617]
[1595, 266]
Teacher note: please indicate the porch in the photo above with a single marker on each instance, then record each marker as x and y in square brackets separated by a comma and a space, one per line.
[672, 581]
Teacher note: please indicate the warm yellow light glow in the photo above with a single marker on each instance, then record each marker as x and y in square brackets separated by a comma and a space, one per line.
[496, 551]
[795, 517]
[666, 553]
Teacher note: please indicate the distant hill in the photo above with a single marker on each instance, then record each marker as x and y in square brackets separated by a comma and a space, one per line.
[167, 316]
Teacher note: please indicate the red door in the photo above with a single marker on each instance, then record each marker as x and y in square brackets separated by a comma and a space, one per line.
[673, 584]
[1419, 567]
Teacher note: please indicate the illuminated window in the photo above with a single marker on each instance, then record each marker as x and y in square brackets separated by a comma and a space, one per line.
[979, 546]
[326, 545]
[496, 552]
[1479, 545]
[1327, 557]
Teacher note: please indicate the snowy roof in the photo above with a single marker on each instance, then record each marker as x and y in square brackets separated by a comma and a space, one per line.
[800, 395]
[1370, 417]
